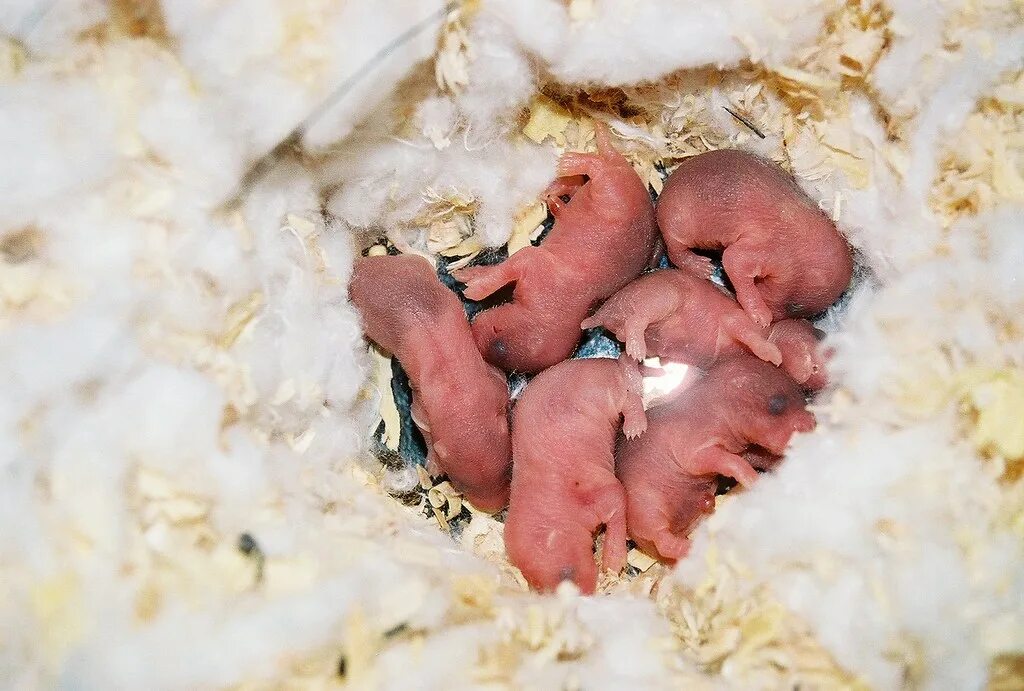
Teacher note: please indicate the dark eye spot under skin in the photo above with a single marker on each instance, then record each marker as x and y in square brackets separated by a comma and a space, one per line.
[794, 309]
[567, 573]
[819, 334]
[498, 349]
[777, 404]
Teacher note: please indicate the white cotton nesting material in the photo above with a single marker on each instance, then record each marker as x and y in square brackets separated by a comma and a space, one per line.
[889, 512]
[50, 27]
[383, 185]
[618, 42]
[187, 491]
[44, 121]
[906, 543]
[251, 57]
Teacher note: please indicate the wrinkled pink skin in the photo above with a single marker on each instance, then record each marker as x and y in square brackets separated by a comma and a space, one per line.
[602, 239]
[675, 314]
[460, 403]
[784, 257]
[669, 473]
[563, 478]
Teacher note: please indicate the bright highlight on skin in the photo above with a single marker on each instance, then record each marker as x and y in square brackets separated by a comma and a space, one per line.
[661, 385]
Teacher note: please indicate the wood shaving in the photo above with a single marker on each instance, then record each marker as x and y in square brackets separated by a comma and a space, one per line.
[451, 64]
[639, 560]
[747, 638]
[239, 316]
[448, 233]
[34, 290]
[528, 226]
[547, 119]
[56, 603]
[581, 10]
[474, 596]
[1006, 673]
[166, 501]
[12, 58]
[425, 481]
[496, 663]
[138, 19]
[445, 503]
[983, 165]
[388, 409]
[995, 400]
[360, 646]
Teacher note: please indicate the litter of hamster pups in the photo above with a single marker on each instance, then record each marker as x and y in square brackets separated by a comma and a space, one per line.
[560, 462]
[203, 463]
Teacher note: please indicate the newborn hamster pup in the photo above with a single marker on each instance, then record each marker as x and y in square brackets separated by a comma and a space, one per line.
[602, 239]
[675, 314]
[459, 402]
[743, 409]
[784, 257]
[563, 479]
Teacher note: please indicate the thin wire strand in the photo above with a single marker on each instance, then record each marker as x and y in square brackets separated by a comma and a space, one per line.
[262, 167]
[267, 162]
[370, 65]
[745, 121]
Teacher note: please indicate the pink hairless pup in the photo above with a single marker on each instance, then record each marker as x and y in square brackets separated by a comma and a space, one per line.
[603, 237]
[459, 402]
[743, 410]
[675, 314]
[783, 256]
[563, 478]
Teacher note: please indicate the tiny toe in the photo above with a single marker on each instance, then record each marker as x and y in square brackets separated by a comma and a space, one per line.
[555, 205]
[697, 264]
[761, 316]
[634, 431]
[635, 350]
[772, 354]
[634, 419]
[465, 275]
[671, 547]
[636, 347]
[744, 474]
[802, 371]
[475, 293]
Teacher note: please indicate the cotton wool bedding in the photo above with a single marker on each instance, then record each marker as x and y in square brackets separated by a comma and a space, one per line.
[206, 480]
